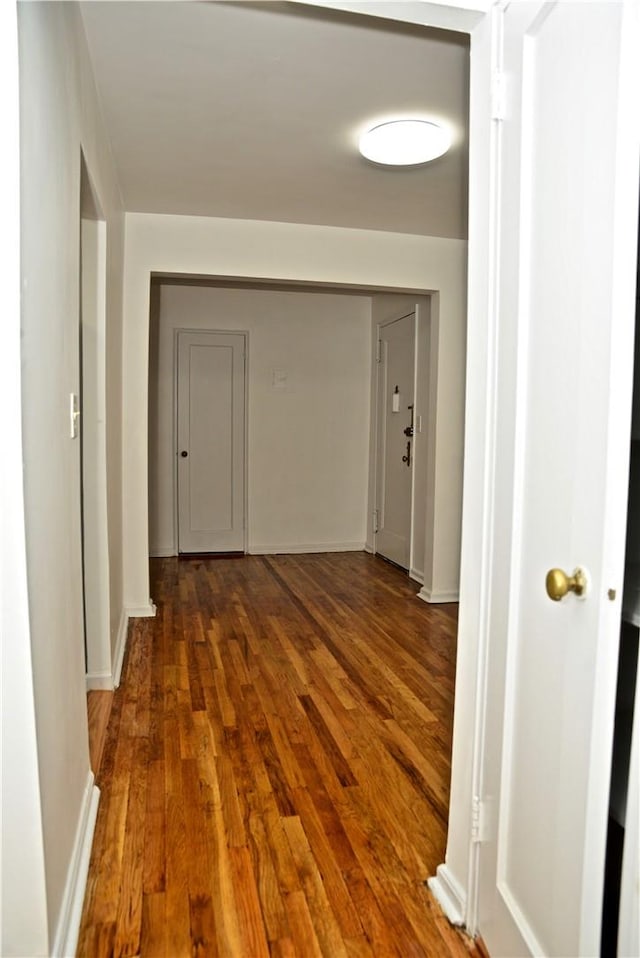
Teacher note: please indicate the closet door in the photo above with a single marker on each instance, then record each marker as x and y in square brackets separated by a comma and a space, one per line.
[211, 442]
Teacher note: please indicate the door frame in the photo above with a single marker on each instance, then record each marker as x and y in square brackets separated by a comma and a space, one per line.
[94, 529]
[376, 416]
[177, 330]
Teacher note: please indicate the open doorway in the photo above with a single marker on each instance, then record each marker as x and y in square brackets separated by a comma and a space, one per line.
[311, 412]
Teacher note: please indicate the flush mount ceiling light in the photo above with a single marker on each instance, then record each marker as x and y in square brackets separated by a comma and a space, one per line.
[404, 142]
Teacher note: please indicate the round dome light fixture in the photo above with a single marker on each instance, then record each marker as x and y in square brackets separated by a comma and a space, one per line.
[404, 142]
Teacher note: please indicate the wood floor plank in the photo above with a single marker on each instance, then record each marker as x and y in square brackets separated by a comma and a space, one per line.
[99, 704]
[275, 770]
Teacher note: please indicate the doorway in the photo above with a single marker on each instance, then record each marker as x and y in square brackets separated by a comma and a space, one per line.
[395, 405]
[210, 434]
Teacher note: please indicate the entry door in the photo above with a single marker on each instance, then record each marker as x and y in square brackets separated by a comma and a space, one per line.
[211, 441]
[394, 467]
[567, 218]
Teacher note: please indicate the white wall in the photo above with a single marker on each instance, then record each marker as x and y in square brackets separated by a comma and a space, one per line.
[307, 443]
[59, 116]
[23, 907]
[242, 249]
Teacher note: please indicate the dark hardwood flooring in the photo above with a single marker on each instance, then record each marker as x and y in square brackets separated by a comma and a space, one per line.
[275, 772]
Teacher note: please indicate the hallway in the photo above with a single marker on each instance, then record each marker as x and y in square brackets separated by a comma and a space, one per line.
[275, 774]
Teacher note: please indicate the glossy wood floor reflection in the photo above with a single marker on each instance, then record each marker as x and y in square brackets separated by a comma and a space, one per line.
[276, 768]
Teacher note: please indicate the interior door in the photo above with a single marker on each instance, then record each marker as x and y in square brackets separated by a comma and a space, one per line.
[568, 161]
[394, 467]
[211, 442]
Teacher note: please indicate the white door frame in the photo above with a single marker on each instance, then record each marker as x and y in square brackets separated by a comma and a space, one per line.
[376, 414]
[93, 416]
[222, 332]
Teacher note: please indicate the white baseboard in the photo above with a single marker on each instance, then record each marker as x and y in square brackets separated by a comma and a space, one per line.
[368, 547]
[449, 894]
[121, 644]
[141, 611]
[307, 547]
[416, 576]
[99, 681]
[66, 938]
[435, 595]
[166, 552]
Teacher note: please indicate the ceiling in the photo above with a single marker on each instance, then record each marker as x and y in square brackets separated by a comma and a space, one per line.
[252, 110]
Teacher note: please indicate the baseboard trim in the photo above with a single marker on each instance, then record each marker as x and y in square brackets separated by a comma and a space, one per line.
[307, 547]
[435, 595]
[141, 611]
[416, 576]
[99, 681]
[66, 939]
[369, 548]
[167, 553]
[121, 644]
[449, 894]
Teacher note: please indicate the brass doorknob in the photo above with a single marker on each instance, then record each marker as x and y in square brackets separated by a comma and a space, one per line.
[559, 583]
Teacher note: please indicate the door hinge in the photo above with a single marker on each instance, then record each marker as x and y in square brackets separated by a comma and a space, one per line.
[479, 820]
[379, 351]
[498, 96]
[375, 521]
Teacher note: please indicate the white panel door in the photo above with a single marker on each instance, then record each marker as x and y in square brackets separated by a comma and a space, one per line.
[567, 222]
[211, 442]
[394, 467]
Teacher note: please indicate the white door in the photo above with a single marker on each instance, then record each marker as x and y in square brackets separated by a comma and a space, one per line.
[394, 466]
[211, 442]
[567, 222]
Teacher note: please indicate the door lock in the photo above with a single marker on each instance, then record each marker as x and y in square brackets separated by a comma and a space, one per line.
[184, 453]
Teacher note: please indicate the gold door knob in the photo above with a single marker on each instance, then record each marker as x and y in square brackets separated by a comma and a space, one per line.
[559, 583]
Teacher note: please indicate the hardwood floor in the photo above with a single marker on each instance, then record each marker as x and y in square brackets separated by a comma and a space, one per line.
[276, 770]
[98, 713]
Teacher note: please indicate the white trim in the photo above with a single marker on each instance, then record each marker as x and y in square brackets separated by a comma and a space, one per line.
[164, 552]
[99, 681]
[438, 595]
[416, 576]
[66, 938]
[368, 548]
[307, 547]
[449, 894]
[462, 15]
[121, 644]
[141, 611]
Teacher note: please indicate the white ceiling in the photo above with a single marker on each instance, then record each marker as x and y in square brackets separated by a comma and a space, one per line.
[252, 110]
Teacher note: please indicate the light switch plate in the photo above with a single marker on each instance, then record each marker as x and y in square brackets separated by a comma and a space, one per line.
[74, 415]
